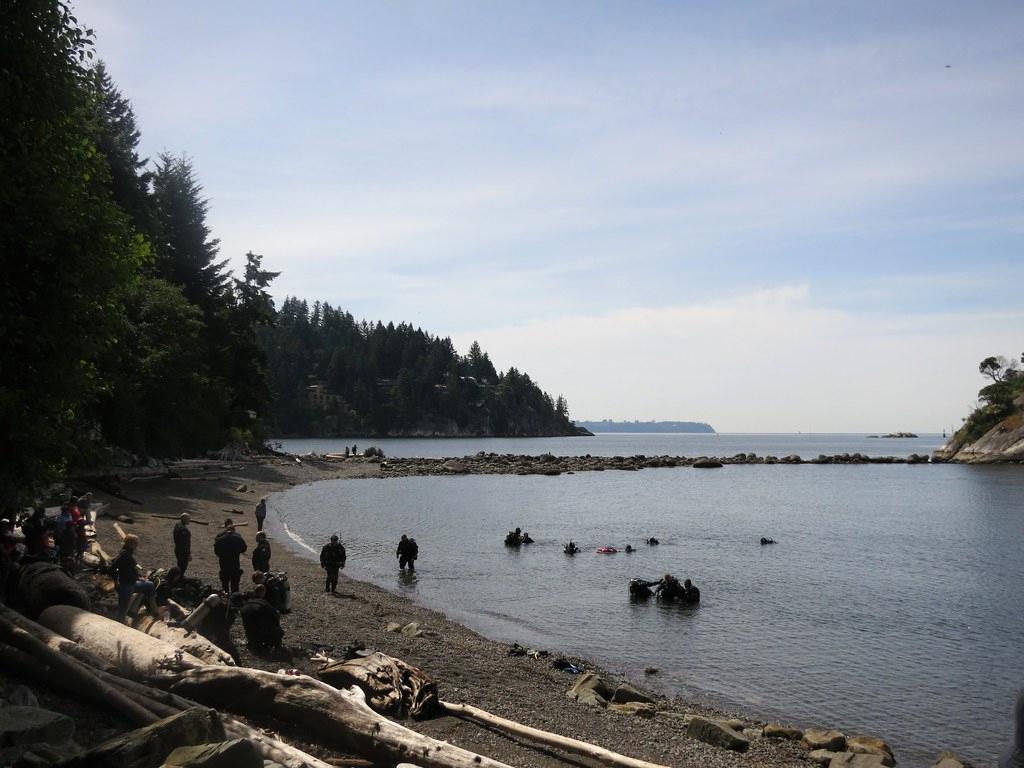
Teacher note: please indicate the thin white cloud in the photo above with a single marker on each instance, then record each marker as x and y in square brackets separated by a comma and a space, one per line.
[772, 361]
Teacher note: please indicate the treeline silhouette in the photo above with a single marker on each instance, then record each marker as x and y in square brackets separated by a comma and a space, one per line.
[333, 375]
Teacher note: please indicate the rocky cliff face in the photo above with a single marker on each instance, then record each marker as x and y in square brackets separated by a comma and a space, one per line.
[1003, 443]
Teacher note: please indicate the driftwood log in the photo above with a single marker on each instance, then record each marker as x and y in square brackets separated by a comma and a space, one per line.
[190, 642]
[391, 686]
[340, 718]
[132, 653]
[65, 671]
[547, 738]
[41, 585]
[53, 640]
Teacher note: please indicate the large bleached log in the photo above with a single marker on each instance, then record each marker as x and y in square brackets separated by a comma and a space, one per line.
[190, 642]
[547, 738]
[132, 653]
[71, 674]
[53, 640]
[340, 718]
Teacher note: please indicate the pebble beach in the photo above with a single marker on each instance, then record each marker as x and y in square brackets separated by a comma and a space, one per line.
[468, 668]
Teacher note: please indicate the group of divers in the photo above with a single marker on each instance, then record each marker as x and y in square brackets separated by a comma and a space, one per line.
[666, 589]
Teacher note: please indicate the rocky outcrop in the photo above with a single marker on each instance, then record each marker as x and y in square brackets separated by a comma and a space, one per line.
[814, 738]
[546, 464]
[1004, 443]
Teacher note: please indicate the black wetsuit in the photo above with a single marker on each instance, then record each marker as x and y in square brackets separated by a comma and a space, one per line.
[407, 552]
[182, 546]
[332, 560]
[229, 546]
[262, 624]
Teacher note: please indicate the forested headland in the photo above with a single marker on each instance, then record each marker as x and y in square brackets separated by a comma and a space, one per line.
[122, 330]
[994, 431]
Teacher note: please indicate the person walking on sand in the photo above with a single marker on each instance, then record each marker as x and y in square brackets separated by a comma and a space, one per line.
[408, 551]
[261, 554]
[332, 560]
[182, 542]
[261, 513]
[228, 546]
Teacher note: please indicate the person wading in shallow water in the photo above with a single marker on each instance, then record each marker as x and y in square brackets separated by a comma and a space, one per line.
[332, 560]
[408, 551]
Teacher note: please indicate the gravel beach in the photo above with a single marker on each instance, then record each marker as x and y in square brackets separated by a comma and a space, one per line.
[468, 667]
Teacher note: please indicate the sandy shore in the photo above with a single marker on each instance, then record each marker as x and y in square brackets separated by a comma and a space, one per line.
[468, 667]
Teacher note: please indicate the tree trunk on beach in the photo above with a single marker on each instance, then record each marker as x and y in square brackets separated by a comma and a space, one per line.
[341, 719]
[133, 654]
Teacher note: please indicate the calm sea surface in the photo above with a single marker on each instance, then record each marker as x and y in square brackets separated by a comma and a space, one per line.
[892, 604]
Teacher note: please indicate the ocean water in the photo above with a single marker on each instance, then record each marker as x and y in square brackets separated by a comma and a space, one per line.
[891, 605]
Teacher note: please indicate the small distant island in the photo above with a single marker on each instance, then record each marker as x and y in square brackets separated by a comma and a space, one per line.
[894, 435]
[607, 425]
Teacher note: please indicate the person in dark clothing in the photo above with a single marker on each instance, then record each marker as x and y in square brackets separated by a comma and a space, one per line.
[261, 554]
[228, 546]
[692, 594]
[332, 560]
[261, 622]
[182, 542]
[669, 588]
[408, 551]
[261, 513]
[128, 581]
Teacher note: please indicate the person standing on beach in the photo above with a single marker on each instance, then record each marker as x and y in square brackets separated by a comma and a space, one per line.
[182, 542]
[332, 560]
[408, 551]
[261, 554]
[228, 546]
[261, 513]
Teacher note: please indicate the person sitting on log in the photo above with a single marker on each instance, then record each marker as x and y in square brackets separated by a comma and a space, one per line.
[261, 622]
[128, 582]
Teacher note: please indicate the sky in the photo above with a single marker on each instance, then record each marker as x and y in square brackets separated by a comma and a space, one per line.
[773, 216]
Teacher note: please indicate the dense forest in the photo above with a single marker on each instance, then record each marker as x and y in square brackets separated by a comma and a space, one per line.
[332, 375]
[123, 333]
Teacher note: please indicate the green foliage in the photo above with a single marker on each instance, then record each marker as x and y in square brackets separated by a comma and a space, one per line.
[996, 400]
[117, 323]
[332, 375]
[66, 250]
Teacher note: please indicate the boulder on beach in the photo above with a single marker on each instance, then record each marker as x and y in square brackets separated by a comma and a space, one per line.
[716, 733]
[591, 689]
[857, 760]
[626, 693]
[777, 731]
[816, 738]
[871, 745]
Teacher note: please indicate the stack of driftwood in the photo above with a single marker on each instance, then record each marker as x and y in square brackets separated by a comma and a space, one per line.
[156, 678]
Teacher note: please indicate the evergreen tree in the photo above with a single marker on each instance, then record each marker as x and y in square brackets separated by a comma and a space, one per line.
[67, 252]
[185, 251]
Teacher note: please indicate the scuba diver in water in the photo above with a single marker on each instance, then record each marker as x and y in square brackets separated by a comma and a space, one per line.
[513, 538]
[570, 548]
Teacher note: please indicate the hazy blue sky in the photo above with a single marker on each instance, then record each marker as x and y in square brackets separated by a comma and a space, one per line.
[771, 216]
